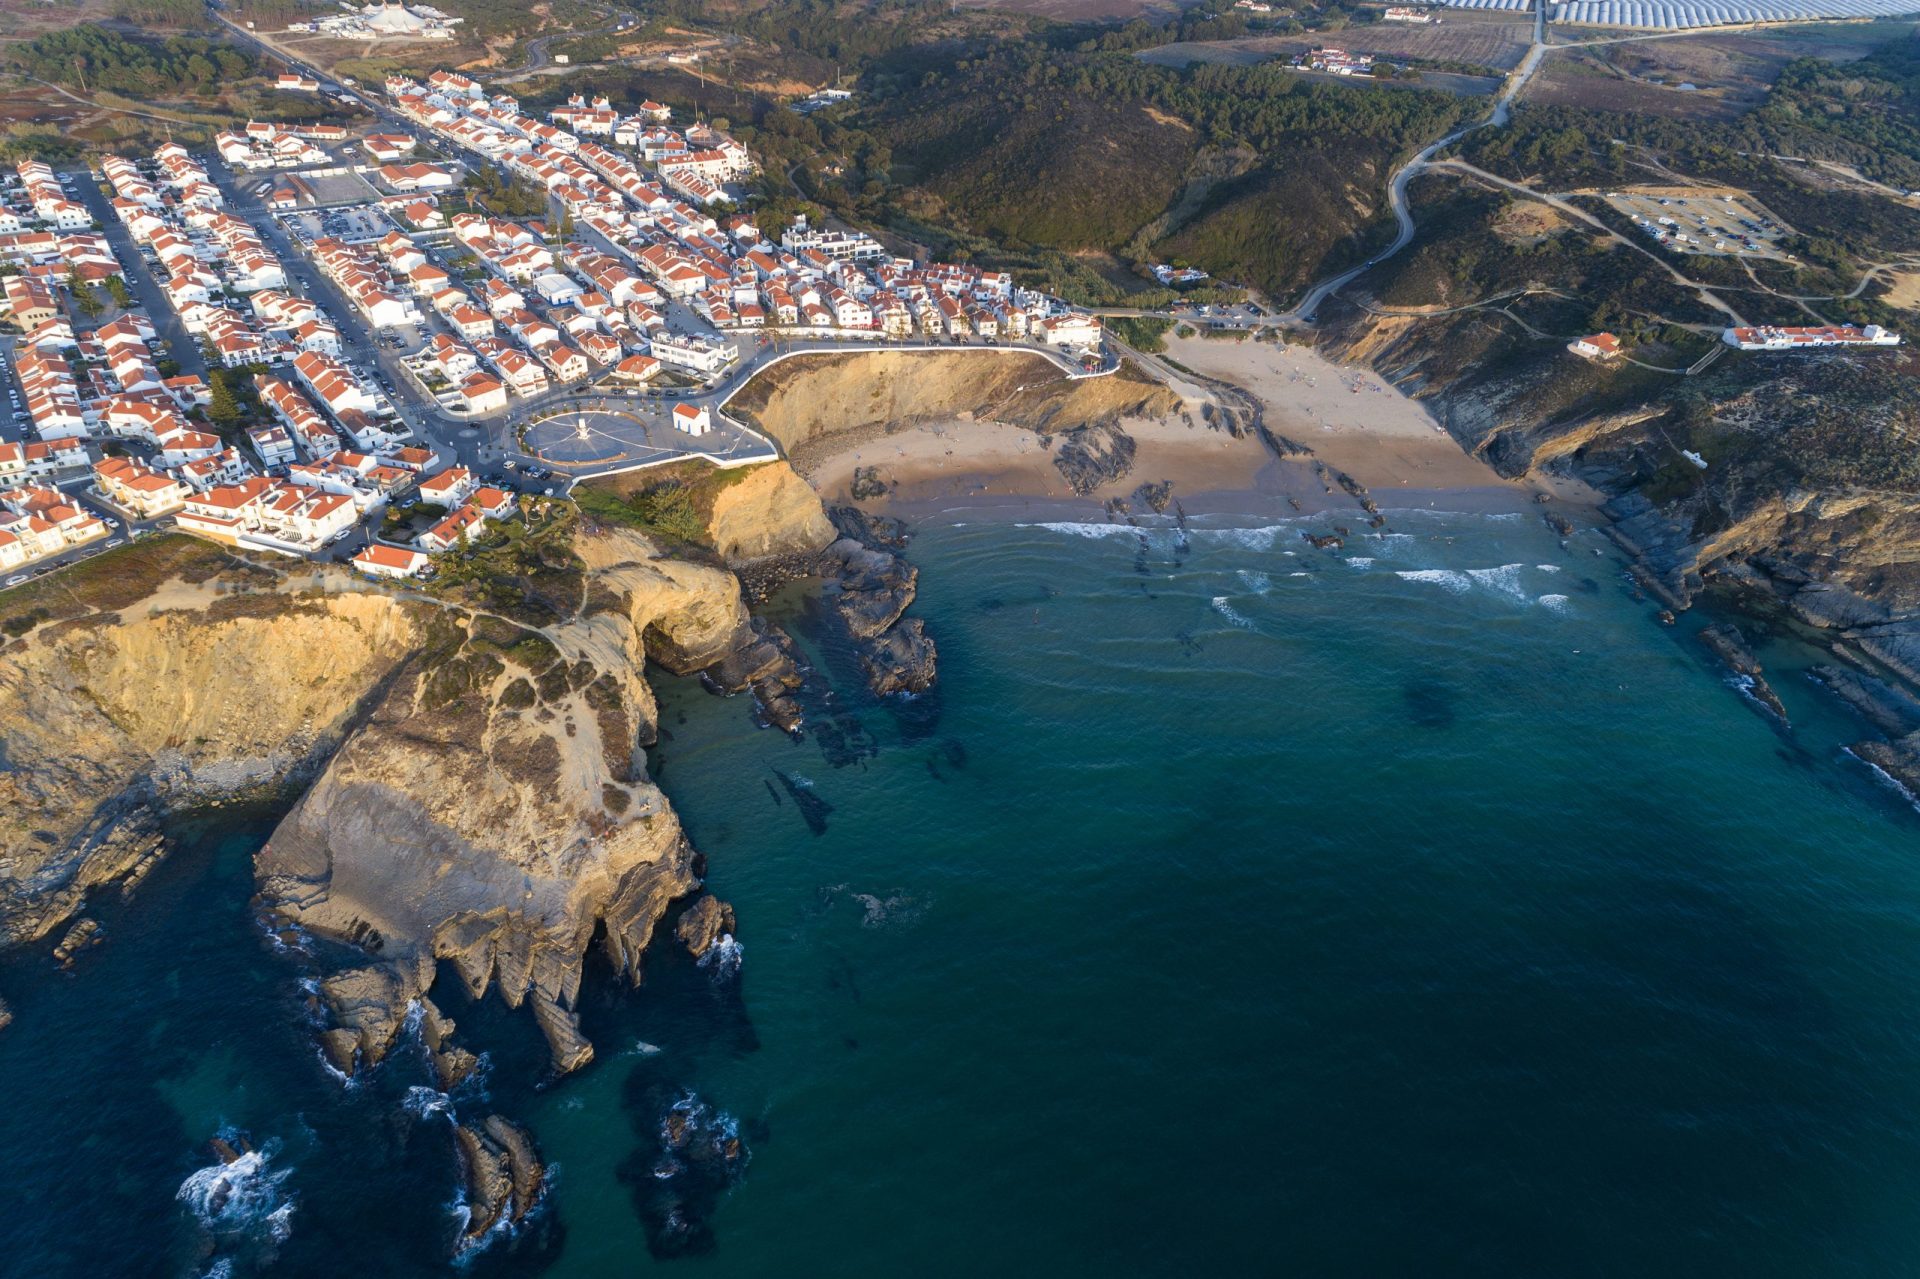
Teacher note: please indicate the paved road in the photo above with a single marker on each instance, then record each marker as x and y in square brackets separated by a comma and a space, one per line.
[145, 288]
[1397, 188]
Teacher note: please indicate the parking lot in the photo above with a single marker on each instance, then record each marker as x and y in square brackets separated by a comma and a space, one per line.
[1710, 223]
[340, 188]
[358, 225]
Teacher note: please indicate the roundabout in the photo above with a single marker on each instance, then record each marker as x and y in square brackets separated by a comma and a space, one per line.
[586, 434]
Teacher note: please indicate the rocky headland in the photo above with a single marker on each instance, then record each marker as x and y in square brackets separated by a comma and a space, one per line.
[464, 763]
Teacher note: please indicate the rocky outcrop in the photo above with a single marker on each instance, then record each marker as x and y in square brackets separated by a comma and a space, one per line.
[475, 790]
[502, 1172]
[84, 935]
[1725, 642]
[492, 811]
[867, 589]
[1093, 455]
[704, 923]
[768, 512]
[692, 618]
[1893, 711]
[902, 660]
[452, 1065]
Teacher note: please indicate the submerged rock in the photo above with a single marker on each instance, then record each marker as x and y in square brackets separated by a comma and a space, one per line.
[84, 935]
[1726, 643]
[689, 1156]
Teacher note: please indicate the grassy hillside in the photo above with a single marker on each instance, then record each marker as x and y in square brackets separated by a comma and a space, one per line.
[1039, 166]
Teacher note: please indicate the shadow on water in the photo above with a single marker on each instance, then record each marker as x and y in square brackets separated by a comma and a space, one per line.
[688, 1152]
[1430, 702]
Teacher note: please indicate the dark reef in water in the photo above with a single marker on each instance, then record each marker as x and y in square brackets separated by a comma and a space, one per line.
[813, 809]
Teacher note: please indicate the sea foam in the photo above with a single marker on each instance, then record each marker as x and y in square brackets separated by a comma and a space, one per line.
[241, 1200]
[1450, 580]
[1504, 580]
[1232, 614]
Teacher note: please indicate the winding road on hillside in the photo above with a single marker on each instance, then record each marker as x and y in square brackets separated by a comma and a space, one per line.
[1397, 188]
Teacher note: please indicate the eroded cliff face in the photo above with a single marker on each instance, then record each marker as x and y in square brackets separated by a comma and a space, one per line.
[475, 786]
[193, 694]
[810, 397]
[494, 811]
[771, 512]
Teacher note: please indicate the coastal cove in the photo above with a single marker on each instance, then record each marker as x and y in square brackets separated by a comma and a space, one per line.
[1417, 906]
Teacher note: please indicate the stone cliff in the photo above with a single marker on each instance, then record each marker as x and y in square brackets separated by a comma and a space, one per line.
[810, 397]
[475, 786]
[771, 512]
[494, 811]
[190, 694]
[1795, 475]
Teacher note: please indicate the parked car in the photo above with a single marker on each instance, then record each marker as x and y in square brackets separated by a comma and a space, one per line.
[16, 579]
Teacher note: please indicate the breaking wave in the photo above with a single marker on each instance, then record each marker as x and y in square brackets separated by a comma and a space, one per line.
[422, 1101]
[1885, 778]
[240, 1203]
[1450, 580]
[1556, 604]
[1258, 583]
[1504, 580]
[1232, 614]
[722, 959]
[1074, 528]
[1360, 562]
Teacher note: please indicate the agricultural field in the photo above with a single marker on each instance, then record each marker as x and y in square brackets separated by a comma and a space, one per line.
[1084, 10]
[1495, 41]
[1587, 80]
[1730, 71]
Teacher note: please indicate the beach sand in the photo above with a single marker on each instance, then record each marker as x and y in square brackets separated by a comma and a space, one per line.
[1351, 418]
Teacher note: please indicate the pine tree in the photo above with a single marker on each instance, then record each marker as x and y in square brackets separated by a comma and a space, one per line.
[224, 410]
[84, 295]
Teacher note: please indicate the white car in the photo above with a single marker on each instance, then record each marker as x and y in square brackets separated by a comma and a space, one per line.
[118, 541]
[16, 579]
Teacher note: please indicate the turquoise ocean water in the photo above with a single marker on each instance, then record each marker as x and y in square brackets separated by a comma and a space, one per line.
[1424, 908]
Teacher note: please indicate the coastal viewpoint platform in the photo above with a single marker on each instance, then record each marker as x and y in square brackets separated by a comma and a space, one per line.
[606, 431]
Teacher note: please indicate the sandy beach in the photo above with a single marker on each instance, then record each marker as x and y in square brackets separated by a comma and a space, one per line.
[1351, 418]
